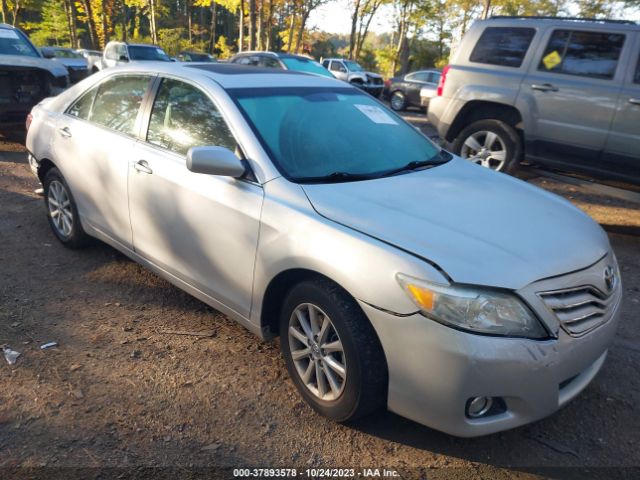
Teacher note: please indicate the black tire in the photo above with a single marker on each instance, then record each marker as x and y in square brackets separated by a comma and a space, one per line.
[506, 134]
[365, 385]
[400, 98]
[76, 238]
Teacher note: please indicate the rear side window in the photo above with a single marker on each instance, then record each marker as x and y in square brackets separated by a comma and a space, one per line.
[118, 101]
[503, 46]
[184, 117]
[586, 54]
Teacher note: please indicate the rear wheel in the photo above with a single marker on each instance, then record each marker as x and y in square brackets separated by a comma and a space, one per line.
[62, 212]
[490, 143]
[331, 351]
[398, 101]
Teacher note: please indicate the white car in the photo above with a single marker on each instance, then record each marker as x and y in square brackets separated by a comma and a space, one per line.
[395, 274]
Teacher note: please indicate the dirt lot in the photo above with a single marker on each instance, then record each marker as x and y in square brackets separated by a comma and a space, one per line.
[122, 391]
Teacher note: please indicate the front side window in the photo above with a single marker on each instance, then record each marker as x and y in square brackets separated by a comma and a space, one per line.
[312, 133]
[504, 46]
[118, 101]
[337, 67]
[184, 117]
[587, 54]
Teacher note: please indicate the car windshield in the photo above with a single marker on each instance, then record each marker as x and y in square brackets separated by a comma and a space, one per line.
[13, 43]
[331, 134]
[353, 66]
[66, 54]
[305, 65]
[198, 57]
[138, 52]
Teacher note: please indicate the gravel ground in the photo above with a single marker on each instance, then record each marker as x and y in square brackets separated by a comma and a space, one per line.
[124, 390]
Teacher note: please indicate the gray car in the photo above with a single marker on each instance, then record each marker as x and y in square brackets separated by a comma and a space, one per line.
[302, 207]
[76, 64]
[25, 78]
[562, 93]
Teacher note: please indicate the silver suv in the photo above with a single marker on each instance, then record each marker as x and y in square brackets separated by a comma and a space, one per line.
[564, 93]
[352, 72]
[119, 53]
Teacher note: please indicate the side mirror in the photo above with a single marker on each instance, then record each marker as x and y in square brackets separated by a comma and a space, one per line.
[123, 58]
[214, 161]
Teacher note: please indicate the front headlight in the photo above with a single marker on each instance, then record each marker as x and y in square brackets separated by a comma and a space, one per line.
[476, 310]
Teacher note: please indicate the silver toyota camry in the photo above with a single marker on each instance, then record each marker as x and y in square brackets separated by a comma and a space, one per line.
[394, 273]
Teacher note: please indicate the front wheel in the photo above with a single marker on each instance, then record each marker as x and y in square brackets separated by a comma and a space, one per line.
[490, 143]
[332, 353]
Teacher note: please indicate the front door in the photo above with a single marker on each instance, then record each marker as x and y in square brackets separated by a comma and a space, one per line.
[571, 92]
[201, 228]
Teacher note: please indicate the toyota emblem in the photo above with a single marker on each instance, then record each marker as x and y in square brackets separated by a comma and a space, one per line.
[609, 277]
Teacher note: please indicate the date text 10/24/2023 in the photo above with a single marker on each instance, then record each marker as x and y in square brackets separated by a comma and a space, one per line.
[314, 473]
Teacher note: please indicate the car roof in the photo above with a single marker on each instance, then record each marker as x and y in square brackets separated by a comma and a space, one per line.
[230, 75]
[7, 26]
[572, 22]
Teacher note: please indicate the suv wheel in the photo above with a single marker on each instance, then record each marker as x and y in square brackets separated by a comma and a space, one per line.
[62, 212]
[397, 101]
[332, 352]
[490, 143]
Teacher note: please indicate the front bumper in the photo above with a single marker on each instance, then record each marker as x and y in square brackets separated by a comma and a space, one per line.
[372, 88]
[434, 370]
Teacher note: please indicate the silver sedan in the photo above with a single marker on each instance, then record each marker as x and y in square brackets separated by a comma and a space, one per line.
[394, 273]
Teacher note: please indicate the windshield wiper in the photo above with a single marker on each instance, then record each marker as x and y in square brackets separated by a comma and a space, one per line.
[440, 158]
[337, 177]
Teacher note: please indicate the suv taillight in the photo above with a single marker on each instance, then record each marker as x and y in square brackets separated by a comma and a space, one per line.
[28, 121]
[443, 78]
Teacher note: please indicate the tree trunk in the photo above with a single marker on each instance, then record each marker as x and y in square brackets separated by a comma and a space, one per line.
[241, 27]
[5, 11]
[152, 21]
[362, 33]
[212, 28]
[269, 22]
[303, 22]
[71, 22]
[354, 23]
[189, 8]
[105, 27]
[125, 21]
[292, 26]
[486, 9]
[16, 11]
[252, 24]
[260, 21]
[91, 24]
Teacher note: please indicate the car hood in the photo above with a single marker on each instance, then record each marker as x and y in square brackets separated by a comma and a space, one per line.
[479, 226]
[73, 62]
[53, 67]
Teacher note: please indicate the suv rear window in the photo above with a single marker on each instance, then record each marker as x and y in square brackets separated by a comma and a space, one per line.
[505, 46]
[587, 54]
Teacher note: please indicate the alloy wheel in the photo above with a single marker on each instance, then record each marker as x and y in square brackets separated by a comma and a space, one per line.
[317, 352]
[397, 101]
[485, 148]
[60, 210]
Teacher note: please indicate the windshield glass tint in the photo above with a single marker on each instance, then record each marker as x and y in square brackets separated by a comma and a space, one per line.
[148, 53]
[12, 43]
[353, 66]
[312, 132]
[304, 65]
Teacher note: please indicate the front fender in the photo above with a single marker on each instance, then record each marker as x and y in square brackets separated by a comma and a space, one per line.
[294, 236]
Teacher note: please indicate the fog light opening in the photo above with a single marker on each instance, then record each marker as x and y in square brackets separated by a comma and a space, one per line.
[478, 406]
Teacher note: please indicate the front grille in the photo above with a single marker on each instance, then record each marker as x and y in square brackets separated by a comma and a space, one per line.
[581, 309]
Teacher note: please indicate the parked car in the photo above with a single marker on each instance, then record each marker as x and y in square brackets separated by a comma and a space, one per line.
[284, 61]
[352, 72]
[76, 64]
[405, 90]
[302, 207]
[561, 93]
[25, 78]
[426, 94]
[188, 56]
[119, 53]
[93, 58]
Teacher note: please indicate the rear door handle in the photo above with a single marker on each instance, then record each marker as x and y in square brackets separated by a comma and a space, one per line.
[545, 87]
[635, 101]
[143, 167]
[65, 132]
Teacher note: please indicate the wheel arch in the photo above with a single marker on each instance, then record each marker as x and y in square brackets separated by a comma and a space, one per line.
[43, 168]
[483, 110]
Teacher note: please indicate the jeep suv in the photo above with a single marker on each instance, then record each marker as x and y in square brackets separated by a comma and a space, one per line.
[559, 92]
[118, 53]
[352, 72]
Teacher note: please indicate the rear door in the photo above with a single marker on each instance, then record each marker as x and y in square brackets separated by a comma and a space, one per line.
[571, 92]
[622, 151]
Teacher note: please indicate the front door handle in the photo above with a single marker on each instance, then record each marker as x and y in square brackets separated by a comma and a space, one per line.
[545, 87]
[143, 167]
[65, 132]
[635, 101]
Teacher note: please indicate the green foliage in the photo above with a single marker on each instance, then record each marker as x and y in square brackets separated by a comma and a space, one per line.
[222, 49]
[53, 28]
